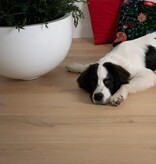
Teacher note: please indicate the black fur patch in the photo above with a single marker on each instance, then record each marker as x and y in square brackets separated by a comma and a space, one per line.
[116, 75]
[109, 83]
[150, 57]
[89, 78]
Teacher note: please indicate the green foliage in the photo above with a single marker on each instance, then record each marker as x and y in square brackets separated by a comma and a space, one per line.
[25, 12]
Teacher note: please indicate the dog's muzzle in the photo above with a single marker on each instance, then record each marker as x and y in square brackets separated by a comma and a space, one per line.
[97, 98]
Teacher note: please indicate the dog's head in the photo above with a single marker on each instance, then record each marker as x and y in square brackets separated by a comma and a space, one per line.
[101, 81]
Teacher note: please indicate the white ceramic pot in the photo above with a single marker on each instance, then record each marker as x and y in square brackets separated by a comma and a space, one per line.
[35, 50]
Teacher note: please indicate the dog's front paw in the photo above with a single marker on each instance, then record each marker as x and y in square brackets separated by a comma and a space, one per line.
[116, 100]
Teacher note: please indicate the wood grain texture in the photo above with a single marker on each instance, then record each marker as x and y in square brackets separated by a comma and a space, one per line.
[51, 121]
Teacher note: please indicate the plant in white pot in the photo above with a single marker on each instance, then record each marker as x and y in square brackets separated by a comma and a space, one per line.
[35, 35]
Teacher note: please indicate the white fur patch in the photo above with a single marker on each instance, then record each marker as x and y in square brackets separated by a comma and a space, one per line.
[102, 74]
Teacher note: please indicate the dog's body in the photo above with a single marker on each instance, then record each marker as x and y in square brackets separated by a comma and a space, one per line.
[128, 68]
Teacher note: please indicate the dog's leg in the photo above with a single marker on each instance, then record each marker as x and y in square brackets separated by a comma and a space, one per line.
[140, 82]
[77, 68]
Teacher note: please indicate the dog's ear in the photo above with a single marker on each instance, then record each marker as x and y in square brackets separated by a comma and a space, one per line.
[88, 79]
[120, 75]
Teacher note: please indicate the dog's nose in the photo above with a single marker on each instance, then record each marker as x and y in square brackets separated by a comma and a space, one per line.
[98, 96]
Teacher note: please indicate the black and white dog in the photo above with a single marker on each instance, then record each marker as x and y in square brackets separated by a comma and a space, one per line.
[128, 68]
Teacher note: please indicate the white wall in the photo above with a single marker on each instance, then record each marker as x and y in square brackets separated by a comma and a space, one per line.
[84, 29]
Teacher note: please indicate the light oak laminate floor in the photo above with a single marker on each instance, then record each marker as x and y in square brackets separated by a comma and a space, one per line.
[51, 121]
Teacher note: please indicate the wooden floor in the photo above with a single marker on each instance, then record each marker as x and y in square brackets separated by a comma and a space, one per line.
[51, 121]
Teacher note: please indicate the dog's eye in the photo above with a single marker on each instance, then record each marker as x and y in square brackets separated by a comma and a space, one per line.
[107, 81]
[94, 81]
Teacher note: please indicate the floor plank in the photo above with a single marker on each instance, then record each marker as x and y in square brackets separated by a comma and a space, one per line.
[51, 121]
